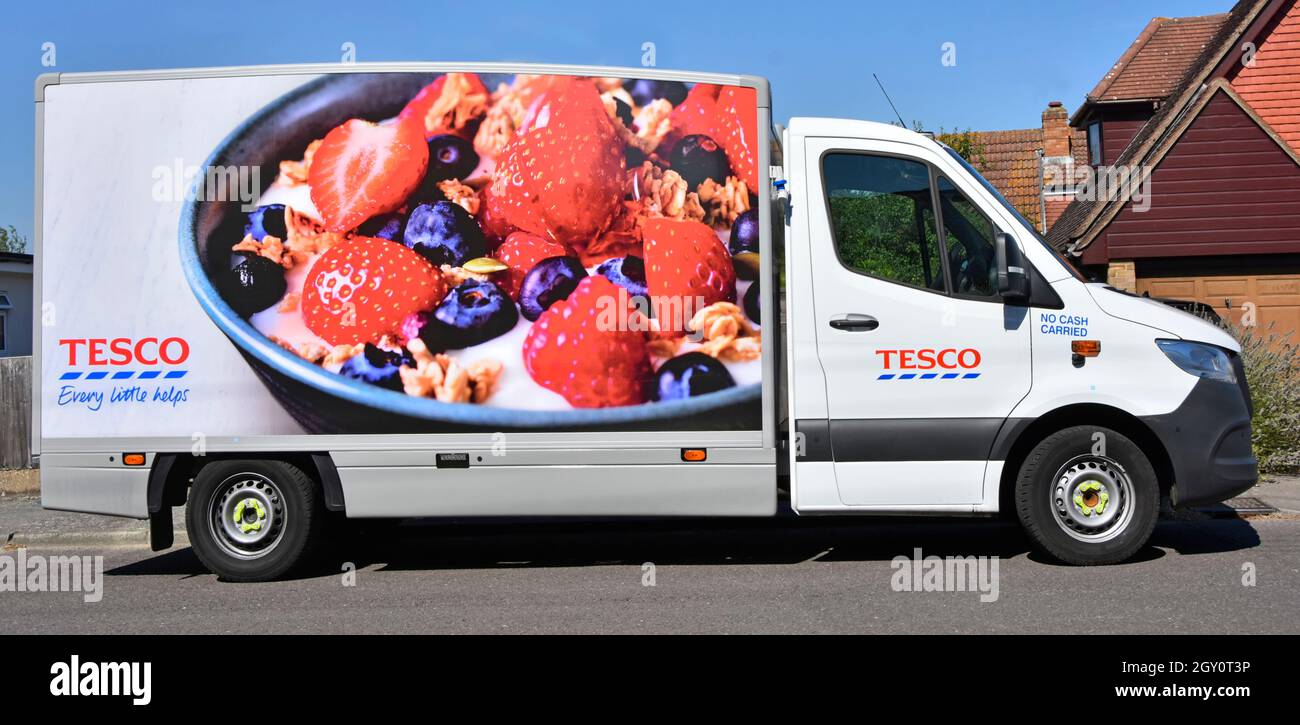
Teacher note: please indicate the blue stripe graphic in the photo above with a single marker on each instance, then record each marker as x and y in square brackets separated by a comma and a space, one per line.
[927, 376]
[123, 375]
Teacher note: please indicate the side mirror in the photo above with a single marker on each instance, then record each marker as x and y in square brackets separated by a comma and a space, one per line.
[1013, 273]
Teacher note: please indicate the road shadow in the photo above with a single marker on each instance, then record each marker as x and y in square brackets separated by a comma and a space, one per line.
[443, 544]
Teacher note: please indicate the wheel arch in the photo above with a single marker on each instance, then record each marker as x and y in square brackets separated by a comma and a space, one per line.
[1014, 442]
[172, 473]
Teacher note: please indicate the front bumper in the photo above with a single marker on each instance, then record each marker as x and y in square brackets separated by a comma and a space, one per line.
[1208, 441]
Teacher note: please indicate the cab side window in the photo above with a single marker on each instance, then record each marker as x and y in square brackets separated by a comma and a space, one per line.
[968, 236]
[882, 213]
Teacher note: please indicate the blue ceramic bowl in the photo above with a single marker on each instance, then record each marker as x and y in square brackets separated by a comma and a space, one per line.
[324, 402]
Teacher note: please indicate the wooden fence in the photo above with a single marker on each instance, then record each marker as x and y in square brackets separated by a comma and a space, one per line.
[15, 412]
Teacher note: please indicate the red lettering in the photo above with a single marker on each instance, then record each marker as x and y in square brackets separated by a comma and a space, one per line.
[124, 351]
[121, 349]
[928, 358]
[140, 353]
[97, 351]
[72, 344]
[177, 359]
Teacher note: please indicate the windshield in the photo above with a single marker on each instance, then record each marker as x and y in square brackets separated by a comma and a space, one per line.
[1014, 212]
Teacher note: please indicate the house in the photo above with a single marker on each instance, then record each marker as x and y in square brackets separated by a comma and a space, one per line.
[1020, 164]
[1204, 112]
[15, 304]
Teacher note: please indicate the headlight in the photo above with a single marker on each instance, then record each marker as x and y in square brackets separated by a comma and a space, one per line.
[1199, 359]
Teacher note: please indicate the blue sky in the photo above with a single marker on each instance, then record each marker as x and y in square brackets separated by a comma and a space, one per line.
[1012, 56]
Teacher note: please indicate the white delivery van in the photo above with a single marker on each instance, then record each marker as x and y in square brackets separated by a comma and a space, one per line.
[277, 294]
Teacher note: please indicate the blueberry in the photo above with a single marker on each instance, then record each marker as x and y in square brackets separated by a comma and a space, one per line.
[384, 226]
[623, 111]
[744, 233]
[377, 367]
[644, 91]
[751, 304]
[473, 313]
[626, 272]
[548, 282]
[689, 375]
[444, 233]
[698, 157]
[266, 220]
[450, 157]
[629, 273]
[254, 283]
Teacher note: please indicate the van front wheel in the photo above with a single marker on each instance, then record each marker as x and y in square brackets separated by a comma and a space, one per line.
[1087, 495]
[252, 520]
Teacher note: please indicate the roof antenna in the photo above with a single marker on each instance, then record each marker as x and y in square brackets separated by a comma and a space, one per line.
[891, 101]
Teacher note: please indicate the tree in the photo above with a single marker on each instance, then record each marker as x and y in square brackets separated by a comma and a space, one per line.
[966, 143]
[12, 241]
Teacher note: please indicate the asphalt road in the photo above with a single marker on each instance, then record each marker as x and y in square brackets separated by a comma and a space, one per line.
[722, 577]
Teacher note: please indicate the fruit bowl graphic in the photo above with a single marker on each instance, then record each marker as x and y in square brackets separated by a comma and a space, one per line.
[365, 395]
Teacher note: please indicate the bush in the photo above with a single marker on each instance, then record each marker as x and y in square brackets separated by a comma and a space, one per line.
[1273, 372]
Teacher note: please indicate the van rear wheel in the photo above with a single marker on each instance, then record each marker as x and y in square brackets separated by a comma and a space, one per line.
[1087, 495]
[251, 521]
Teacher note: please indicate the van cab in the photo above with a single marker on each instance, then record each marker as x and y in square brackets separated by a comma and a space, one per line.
[944, 359]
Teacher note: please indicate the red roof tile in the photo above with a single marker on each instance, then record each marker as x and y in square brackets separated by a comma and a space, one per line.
[1009, 160]
[1154, 64]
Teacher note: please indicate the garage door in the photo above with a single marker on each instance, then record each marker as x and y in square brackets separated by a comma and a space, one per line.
[1276, 297]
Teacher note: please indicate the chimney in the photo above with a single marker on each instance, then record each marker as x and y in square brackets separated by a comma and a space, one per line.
[1056, 132]
[1057, 165]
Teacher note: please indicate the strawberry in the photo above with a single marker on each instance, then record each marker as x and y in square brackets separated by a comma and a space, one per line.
[687, 268]
[520, 252]
[448, 105]
[696, 114]
[361, 169]
[562, 179]
[589, 351]
[363, 288]
[736, 128]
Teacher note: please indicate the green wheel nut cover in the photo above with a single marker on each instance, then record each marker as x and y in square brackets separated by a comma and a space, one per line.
[238, 516]
[1101, 504]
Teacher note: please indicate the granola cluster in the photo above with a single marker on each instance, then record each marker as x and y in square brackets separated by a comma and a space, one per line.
[720, 331]
[294, 173]
[442, 378]
[306, 238]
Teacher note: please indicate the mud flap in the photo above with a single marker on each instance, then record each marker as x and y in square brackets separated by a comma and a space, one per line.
[160, 529]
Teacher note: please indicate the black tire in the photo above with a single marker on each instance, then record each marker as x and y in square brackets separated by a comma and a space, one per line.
[287, 501]
[1074, 530]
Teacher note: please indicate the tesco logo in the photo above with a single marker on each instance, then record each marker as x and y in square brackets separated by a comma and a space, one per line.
[930, 359]
[96, 351]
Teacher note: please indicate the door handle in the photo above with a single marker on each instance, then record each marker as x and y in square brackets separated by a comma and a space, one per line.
[855, 323]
